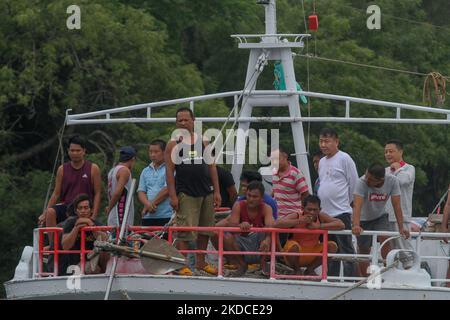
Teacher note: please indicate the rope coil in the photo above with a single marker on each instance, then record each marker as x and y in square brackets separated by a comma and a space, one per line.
[436, 81]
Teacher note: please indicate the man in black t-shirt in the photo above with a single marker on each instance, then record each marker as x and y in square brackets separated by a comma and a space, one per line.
[227, 187]
[71, 239]
[193, 185]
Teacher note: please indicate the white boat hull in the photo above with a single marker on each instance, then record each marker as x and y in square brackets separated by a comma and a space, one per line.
[185, 288]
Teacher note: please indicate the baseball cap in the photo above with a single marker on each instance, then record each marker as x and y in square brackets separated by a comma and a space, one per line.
[127, 153]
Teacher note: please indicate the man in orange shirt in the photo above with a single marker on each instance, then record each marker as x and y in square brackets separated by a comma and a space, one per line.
[312, 218]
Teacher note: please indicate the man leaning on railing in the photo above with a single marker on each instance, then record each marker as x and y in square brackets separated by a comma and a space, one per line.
[71, 239]
[313, 219]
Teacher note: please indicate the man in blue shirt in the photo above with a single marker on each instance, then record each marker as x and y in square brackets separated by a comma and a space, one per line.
[152, 190]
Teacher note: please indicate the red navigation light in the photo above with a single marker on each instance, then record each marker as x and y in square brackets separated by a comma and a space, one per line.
[313, 22]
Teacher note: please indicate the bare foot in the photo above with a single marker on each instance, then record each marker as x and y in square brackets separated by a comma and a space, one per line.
[310, 272]
[298, 272]
[238, 273]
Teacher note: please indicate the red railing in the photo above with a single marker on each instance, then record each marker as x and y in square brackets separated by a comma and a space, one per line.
[220, 250]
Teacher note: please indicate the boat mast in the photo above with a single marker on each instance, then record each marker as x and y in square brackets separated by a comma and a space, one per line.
[271, 47]
[271, 16]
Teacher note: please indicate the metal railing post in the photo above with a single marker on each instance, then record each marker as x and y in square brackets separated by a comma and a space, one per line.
[220, 260]
[272, 254]
[83, 257]
[374, 254]
[40, 249]
[325, 256]
[56, 256]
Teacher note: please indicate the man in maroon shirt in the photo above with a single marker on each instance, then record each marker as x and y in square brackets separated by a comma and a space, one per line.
[252, 212]
[73, 178]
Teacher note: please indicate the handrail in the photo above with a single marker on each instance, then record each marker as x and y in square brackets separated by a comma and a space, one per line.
[418, 236]
[220, 250]
[264, 97]
[243, 37]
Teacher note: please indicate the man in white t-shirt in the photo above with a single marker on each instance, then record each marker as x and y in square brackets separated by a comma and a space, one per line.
[373, 191]
[338, 176]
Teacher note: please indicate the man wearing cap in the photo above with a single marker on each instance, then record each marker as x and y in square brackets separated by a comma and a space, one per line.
[119, 185]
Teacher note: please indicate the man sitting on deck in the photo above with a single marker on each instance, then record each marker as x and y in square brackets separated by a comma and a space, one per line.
[246, 214]
[312, 219]
[71, 239]
[246, 178]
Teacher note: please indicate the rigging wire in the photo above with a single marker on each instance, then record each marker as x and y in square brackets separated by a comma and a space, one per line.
[257, 71]
[60, 150]
[307, 75]
[437, 80]
[364, 65]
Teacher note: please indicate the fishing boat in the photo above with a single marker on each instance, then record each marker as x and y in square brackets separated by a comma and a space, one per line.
[421, 275]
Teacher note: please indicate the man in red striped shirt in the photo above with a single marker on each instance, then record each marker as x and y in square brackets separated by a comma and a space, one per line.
[289, 186]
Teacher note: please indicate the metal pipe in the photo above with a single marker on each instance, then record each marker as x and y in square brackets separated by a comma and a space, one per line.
[120, 238]
[256, 93]
[271, 18]
[154, 104]
[266, 119]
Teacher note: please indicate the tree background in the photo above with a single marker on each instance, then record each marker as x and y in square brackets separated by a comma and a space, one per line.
[137, 51]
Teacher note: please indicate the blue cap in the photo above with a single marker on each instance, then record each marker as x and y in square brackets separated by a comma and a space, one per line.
[127, 153]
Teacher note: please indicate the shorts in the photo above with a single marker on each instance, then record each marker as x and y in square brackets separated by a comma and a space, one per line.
[160, 222]
[251, 243]
[393, 225]
[194, 212]
[61, 212]
[305, 261]
[378, 224]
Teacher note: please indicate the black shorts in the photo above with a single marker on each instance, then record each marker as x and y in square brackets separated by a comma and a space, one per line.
[378, 224]
[61, 212]
[155, 222]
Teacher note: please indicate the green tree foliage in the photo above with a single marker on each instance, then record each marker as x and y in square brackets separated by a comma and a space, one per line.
[135, 51]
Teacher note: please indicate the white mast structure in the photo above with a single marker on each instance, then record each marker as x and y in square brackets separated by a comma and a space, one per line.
[271, 47]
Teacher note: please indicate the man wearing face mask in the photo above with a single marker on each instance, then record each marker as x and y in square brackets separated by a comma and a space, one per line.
[371, 194]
